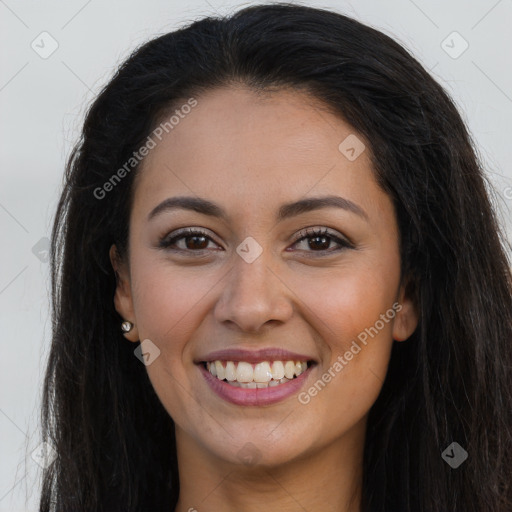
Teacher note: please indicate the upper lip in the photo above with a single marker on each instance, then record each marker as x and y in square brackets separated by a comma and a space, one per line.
[253, 356]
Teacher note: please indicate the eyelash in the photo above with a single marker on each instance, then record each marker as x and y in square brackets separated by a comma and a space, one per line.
[166, 242]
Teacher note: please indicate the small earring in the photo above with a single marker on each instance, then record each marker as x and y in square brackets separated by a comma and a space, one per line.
[126, 326]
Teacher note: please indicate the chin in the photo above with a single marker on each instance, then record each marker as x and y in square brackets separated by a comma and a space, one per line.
[259, 449]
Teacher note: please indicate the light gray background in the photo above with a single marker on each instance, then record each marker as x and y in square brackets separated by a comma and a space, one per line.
[42, 102]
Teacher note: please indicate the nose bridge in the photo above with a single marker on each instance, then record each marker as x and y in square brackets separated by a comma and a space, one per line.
[253, 295]
[251, 275]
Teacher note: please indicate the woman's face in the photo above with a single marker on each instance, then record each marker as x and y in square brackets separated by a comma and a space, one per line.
[257, 287]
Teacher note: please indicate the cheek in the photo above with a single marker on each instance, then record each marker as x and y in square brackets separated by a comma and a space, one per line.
[346, 310]
[167, 300]
[168, 305]
[347, 301]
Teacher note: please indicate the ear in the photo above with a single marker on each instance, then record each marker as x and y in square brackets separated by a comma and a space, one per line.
[123, 296]
[406, 319]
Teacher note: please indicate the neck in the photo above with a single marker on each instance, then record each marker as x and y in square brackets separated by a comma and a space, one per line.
[329, 478]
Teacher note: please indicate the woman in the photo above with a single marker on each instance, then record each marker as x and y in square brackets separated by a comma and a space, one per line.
[278, 282]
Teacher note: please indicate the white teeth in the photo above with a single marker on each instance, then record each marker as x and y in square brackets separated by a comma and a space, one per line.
[244, 372]
[261, 375]
[230, 371]
[289, 369]
[221, 374]
[277, 370]
[253, 385]
[262, 372]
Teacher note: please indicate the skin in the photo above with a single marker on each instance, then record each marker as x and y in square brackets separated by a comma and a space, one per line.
[250, 153]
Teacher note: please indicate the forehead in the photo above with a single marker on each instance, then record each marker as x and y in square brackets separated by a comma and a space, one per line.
[245, 147]
[233, 121]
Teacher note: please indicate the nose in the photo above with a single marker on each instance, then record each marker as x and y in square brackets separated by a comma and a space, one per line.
[253, 296]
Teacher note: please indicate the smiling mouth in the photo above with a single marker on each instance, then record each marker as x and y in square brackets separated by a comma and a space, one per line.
[260, 375]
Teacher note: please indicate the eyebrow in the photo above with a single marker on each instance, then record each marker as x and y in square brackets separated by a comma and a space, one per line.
[206, 207]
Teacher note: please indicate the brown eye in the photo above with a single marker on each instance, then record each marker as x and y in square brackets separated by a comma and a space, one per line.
[320, 240]
[194, 240]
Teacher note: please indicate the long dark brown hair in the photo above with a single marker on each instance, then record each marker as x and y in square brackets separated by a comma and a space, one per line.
[450, 382]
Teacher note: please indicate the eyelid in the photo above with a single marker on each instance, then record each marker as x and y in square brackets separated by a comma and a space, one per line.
[341, 240]
[322, 230]
[164, 242]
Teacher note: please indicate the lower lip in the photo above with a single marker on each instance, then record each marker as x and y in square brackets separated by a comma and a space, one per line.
[257, 396]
